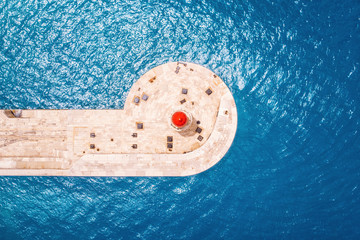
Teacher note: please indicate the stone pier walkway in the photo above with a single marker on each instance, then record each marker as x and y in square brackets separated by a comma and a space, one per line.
[136, 141]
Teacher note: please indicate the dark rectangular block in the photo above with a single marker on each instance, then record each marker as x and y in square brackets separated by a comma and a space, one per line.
[92, 146]
[136, 100]
[198, 130]
[183, 101]
[208, 91]
[134, 146]
[200, 138]
[184, 91]
[145, 97]
[170, 145]
[169, 138]
[139, 125]
[177, 70]
[92, 135]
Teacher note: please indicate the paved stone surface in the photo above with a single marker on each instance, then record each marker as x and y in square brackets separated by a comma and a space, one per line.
[129, 142]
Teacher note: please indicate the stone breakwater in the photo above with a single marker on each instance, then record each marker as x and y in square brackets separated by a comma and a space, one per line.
[139, 140]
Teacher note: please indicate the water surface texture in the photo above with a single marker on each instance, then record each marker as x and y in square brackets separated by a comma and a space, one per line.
[293, 171]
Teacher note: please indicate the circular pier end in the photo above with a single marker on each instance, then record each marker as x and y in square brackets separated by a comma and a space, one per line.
[171, 91]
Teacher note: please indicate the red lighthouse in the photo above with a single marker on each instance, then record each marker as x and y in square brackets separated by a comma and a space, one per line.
[179, 119]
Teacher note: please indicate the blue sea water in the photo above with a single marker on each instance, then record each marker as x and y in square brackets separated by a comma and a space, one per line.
[293, 171]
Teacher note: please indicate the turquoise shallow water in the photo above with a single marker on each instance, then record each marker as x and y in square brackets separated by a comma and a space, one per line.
[293, 68]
